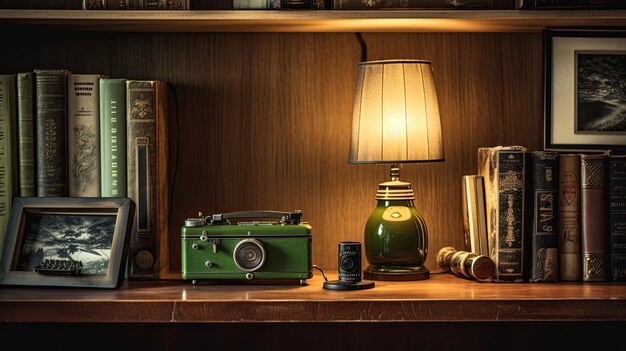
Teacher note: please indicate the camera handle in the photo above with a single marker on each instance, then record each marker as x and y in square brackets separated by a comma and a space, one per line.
[286, 217]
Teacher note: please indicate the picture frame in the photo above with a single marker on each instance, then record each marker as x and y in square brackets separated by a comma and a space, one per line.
[48, 238]
[585, 97]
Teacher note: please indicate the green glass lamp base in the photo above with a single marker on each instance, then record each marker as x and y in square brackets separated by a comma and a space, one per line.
[396, 273]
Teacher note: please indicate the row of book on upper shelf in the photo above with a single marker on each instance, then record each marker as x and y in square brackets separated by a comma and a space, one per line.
[351, 4]
[86, 135]
[547, 216]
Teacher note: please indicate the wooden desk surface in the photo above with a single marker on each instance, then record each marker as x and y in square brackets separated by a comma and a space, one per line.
[442, 298]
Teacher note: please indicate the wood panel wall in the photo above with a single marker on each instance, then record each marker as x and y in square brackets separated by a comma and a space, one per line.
[265, 118]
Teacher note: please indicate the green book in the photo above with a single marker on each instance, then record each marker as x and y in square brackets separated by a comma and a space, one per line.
[113, 137]
[25, 130]
[8, 118]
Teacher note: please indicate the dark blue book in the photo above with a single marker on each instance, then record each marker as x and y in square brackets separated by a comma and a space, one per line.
[617, 217]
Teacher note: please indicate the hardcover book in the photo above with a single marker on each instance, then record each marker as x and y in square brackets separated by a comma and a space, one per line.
[503, 169]
[474, 217]
[51, 132]
[25, 130]
[136, 5]
[570, 256]
[593, 208]
[303, 4]
[113, 150]
[617, 216]
[146, 131]
[571, 4]
[545, 239]
[8, 166]
[423, 4]
[256, 4]
[83, 124]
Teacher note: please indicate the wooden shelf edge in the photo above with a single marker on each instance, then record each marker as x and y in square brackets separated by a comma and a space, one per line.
[316, 21]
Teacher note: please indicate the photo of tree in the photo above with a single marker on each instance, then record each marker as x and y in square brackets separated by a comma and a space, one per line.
[84, 238]
[601, 92]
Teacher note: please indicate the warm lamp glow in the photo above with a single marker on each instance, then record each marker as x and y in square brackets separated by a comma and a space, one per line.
[396, 114]
[395, 120]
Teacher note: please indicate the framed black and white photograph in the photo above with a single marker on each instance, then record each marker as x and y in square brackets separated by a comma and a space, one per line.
[67, 242]
[585, 75]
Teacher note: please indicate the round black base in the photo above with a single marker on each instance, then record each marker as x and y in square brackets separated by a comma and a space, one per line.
[335, 285]
[396, 273]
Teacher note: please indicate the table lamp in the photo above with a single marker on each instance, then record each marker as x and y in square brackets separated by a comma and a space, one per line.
[395, 120]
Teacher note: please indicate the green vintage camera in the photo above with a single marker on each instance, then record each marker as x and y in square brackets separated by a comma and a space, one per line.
[224, 247]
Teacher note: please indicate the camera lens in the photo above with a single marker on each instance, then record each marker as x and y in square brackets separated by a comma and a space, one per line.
[349, 262]
[249, 255]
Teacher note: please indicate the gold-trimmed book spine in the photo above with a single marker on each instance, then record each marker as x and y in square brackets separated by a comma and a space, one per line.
[570, 257]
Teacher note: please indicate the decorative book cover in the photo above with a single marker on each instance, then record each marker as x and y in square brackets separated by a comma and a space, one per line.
[113, 137]
[51, 132]
[83, 144]
[146, 143]
[136, 5]
[25, 130]
[593, 207]
[256, 4]
[570, 256]
[8, 166]
[571, 4]
[474, 217]
[424, 4]
[503, 169]
[303, 4]
[617, 216]
[545, 239]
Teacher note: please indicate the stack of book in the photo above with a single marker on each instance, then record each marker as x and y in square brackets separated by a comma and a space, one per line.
[87, 135]
[548, 216]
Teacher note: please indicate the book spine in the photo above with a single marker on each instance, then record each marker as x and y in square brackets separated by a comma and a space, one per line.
[83, 124]
[113, 137]
[303, 4]
[25, 129]
[570, 257]
[572, 4]
[594, 231]
[423, 4]
[51, 132]
[474, 219]
[504, 171]
[145, 111]
[617, 217]
[8, 169]
[135, 5]
[545, 240]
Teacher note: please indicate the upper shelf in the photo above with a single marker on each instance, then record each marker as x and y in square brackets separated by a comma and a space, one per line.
[316, 21]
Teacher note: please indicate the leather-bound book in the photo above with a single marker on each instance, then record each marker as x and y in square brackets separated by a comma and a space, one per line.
[545, 239]
[136, 5]
[593, 208]
[83, 144]
[146, 174]
[51, 132]
[617, 216]
[113, 137]
[570, 257]
[504, 169]
[474, 218]
[25, 130]
[8, 165]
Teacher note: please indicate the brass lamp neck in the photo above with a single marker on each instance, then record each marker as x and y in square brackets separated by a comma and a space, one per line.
[395, 172]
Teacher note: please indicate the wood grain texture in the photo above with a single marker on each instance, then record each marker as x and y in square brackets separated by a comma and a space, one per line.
[318, 21]
[265, 118]
[442, 298]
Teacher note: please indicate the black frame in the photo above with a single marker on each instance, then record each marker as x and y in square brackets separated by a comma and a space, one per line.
[122, 208]
[549, 104]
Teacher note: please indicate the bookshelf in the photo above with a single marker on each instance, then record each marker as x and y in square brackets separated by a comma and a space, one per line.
[317, 21]
[264, 121]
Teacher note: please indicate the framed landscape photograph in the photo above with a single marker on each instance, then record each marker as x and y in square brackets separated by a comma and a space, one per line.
[585, 90]
[74, 242]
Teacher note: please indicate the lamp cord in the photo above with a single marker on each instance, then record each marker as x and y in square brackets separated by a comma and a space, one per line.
[359, 37]
[321, 270]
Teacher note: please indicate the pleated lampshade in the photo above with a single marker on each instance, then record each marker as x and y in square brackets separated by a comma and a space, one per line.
[396, 114]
